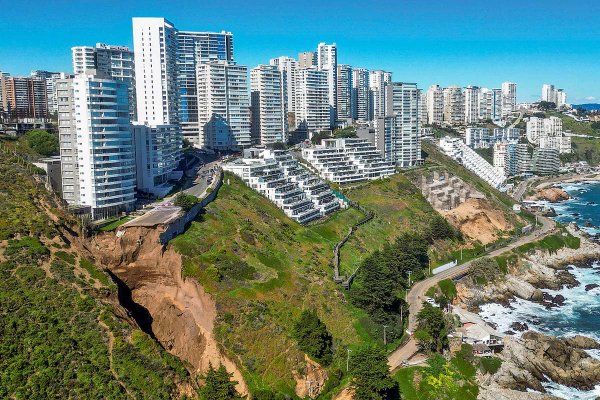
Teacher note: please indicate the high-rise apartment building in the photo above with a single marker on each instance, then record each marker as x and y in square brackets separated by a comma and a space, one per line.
[378, 80]
[307, 59]
[288, 67]
[548, 93]
[400, 129]
[561, 98]
[51, 79]
[155, 45]
[96, 147]
[471, 95]
[454, 105]
[327, 61]
[24, 97]
[344, 92]
[312, 100]
[360, 94]
[194, 48]
[157, 134]
[509, 98]
[223, 105]
[435, 105]
[116, 62]
[268, 105]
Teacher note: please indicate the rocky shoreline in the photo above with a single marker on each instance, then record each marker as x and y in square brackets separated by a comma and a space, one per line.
[536, 358]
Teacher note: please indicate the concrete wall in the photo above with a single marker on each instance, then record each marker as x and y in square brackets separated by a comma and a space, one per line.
[177, 227]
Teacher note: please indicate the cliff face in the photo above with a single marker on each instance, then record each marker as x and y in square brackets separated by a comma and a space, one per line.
[478, 221]
[181, 313]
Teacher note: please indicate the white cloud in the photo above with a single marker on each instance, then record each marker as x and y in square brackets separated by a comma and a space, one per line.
[590, 98]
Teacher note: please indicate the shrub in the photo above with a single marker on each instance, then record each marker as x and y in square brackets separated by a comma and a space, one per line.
[484, 269]
[42, 142]
[185, 201]
[448, 288]
[490, 365]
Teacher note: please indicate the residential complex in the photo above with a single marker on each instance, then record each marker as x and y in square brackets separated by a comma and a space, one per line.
[116, 62]
[24, 97]
[312, 100]
[360, 94]
[548, 133]
[459, 151]
[278, 176]
[269, 113]
[97, 153]
[378, 80]
[223, 106]
[344, 93]
[346, 161]
[553, 95]
[484, 138]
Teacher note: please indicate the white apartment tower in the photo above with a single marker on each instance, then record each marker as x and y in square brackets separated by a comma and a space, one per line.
[155, 45]
[312, 100]
[116, 62]
[435, 105]
[327, 61]
[360, 94]
[548, 93]
[509, 98]
[269, 115]
[288, 66]
[344, 92]
[454, 105]
[96, 147]
[223, 106]
[471, 95]
[402, 124]
[378, 80]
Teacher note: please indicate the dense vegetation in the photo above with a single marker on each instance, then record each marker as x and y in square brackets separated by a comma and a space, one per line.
[42, 142]
[313, 338]
[62, 334]
[185, 201]
[372, 380]
[432, 329]
[218, 385]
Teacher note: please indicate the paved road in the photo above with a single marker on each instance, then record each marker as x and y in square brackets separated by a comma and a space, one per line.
[416, 295]
[201, 182]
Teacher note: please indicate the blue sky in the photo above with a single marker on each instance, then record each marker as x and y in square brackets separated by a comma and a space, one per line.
[461, 42]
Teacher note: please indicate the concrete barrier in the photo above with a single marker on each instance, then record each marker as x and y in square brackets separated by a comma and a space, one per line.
[444, 267]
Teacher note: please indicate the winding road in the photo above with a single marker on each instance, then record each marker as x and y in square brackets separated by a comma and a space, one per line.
[416, 295]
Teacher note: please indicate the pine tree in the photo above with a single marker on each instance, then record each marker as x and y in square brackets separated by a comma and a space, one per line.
[218, 385]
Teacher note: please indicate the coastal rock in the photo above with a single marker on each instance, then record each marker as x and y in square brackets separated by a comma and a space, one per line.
[522, 289]
[519, 326]
[498, 393]
[553, 301]
[553, 195]
[535, 357]
[582, 342]
[591, 286]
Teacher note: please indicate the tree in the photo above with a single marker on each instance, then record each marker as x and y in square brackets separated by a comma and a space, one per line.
[596, 125]
[547, 105]
[371, 375]
[185, 201]
[431, 332]
[218, 385]
[277, 146]
[347, 132]
[42, 142]
[317, 137]
[484, 269]
[312, 337]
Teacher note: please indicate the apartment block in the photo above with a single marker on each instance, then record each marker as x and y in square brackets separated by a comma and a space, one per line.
[509, 98]
[96, 148]
[312, 100]
[288, 67]
[403, 128]
[472, 104]
[327, 61]
[378, 80]
[435, 105]
[278, 176]
[51, 79]
[360, 95]
[545, 161]
[346, 161]
[344, 92]
[460, 152]
[269, 115]
[24, 97]
[223, 106]
[454, 105]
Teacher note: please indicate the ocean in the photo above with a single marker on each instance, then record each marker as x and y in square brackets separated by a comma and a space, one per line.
[581, 312]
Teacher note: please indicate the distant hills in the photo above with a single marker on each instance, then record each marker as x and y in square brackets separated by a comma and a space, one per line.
[589, 107]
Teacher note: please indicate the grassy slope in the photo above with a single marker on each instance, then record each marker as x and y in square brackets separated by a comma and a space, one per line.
[399, 207]
[292, 271]
[59, 337]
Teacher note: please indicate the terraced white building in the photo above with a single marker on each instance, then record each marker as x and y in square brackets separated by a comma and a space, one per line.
[348, 160]
[278, 176]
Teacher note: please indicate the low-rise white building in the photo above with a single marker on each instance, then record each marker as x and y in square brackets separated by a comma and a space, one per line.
[278, 176]
[348, 160]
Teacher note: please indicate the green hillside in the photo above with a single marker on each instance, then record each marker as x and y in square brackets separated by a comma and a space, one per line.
[62, 334]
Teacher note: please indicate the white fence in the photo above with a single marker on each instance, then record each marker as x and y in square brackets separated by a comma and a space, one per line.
[444, 267]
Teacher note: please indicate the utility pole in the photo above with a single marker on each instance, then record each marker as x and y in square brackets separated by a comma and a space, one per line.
[402, 317]
[348, 360]
[409, 272]
[461, 254]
